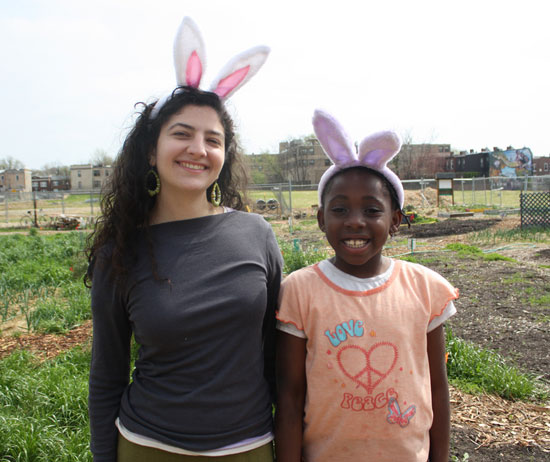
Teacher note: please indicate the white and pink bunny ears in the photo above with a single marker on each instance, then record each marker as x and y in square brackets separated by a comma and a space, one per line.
[375, 151]
[190, 63]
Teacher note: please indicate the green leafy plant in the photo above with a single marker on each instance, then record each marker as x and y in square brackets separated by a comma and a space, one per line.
[295, 257]
[465, 458]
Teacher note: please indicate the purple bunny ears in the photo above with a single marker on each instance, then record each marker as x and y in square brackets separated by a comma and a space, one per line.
[375, 151]
[190, 63]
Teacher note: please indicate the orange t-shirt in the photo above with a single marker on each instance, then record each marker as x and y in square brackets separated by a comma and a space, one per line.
[368, 379]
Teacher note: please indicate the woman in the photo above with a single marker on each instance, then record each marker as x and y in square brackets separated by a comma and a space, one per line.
[174, 263]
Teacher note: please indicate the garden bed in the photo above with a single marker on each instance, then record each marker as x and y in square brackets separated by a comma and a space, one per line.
[503, 307]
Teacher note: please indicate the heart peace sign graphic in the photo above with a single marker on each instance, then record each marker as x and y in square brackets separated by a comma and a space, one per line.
[367, 368]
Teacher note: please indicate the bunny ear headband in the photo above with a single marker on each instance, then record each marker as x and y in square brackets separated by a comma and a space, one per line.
[375, 151]
[190, 62]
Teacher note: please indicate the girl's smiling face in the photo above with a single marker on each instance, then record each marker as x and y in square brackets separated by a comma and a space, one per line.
[357, 218]
[190, 150]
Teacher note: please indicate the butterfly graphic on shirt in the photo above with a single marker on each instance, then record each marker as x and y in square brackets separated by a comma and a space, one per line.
[395, 415]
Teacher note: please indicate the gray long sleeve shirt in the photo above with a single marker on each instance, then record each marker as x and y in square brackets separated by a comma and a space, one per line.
[206, 336]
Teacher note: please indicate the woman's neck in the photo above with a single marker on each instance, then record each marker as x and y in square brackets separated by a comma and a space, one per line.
[172, 208]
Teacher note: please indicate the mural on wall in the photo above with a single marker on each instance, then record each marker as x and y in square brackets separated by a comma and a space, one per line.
[512, 163]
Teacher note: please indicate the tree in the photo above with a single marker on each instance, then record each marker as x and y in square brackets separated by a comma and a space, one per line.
[10, 163]
[54, 168]
[100, 158]
[273, 169]
[264, 168]
[414, 160]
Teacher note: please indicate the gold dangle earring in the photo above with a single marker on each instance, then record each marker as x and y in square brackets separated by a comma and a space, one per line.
[216, 195]
[149, 180]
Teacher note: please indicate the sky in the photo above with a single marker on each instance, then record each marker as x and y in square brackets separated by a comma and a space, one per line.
[473, 74]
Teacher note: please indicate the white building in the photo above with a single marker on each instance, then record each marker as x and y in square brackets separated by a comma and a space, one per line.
[86, 177]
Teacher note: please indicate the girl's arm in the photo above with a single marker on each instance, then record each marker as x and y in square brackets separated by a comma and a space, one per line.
[441, 426]
[291, 392]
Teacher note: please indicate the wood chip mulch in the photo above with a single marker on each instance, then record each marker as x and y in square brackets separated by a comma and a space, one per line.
[498, 422]
[46, 346]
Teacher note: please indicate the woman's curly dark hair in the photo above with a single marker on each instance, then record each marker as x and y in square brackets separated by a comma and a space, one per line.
[126, 205]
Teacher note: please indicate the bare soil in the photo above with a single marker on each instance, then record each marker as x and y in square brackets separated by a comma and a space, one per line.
[497, 309]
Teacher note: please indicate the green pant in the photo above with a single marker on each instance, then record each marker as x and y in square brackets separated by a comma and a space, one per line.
[130, 452]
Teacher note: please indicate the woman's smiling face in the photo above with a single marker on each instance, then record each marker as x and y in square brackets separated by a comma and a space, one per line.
[190, 150]
[357, 218]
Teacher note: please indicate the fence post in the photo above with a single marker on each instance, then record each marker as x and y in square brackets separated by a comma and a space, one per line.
[290, 204]
[6, 204]
[473, 190]
[34, 206]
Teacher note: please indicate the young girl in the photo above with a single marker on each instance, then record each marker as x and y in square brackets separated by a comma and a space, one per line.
[361, 348]
[193, 280]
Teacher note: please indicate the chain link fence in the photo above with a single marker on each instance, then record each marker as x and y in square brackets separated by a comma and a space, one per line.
[49, 209]
[277, 200]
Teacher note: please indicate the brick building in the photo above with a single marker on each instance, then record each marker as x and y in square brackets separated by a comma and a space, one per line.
[541, 165]
[420, 160]
[50, 183]
[16, 180]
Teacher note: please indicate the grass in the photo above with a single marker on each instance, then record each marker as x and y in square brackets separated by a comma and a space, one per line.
[43, 408]
[476, 370]
[514, 279]
[497, 257]
[465, 250]
[41, 279]
[482, 199]
[543, 300]
[470, 199]
[300, 199]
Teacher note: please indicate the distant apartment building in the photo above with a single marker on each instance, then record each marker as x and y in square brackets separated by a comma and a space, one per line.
[86, 177]
[420, 160]
[541, 165]
[303, 160]
[13, 180]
